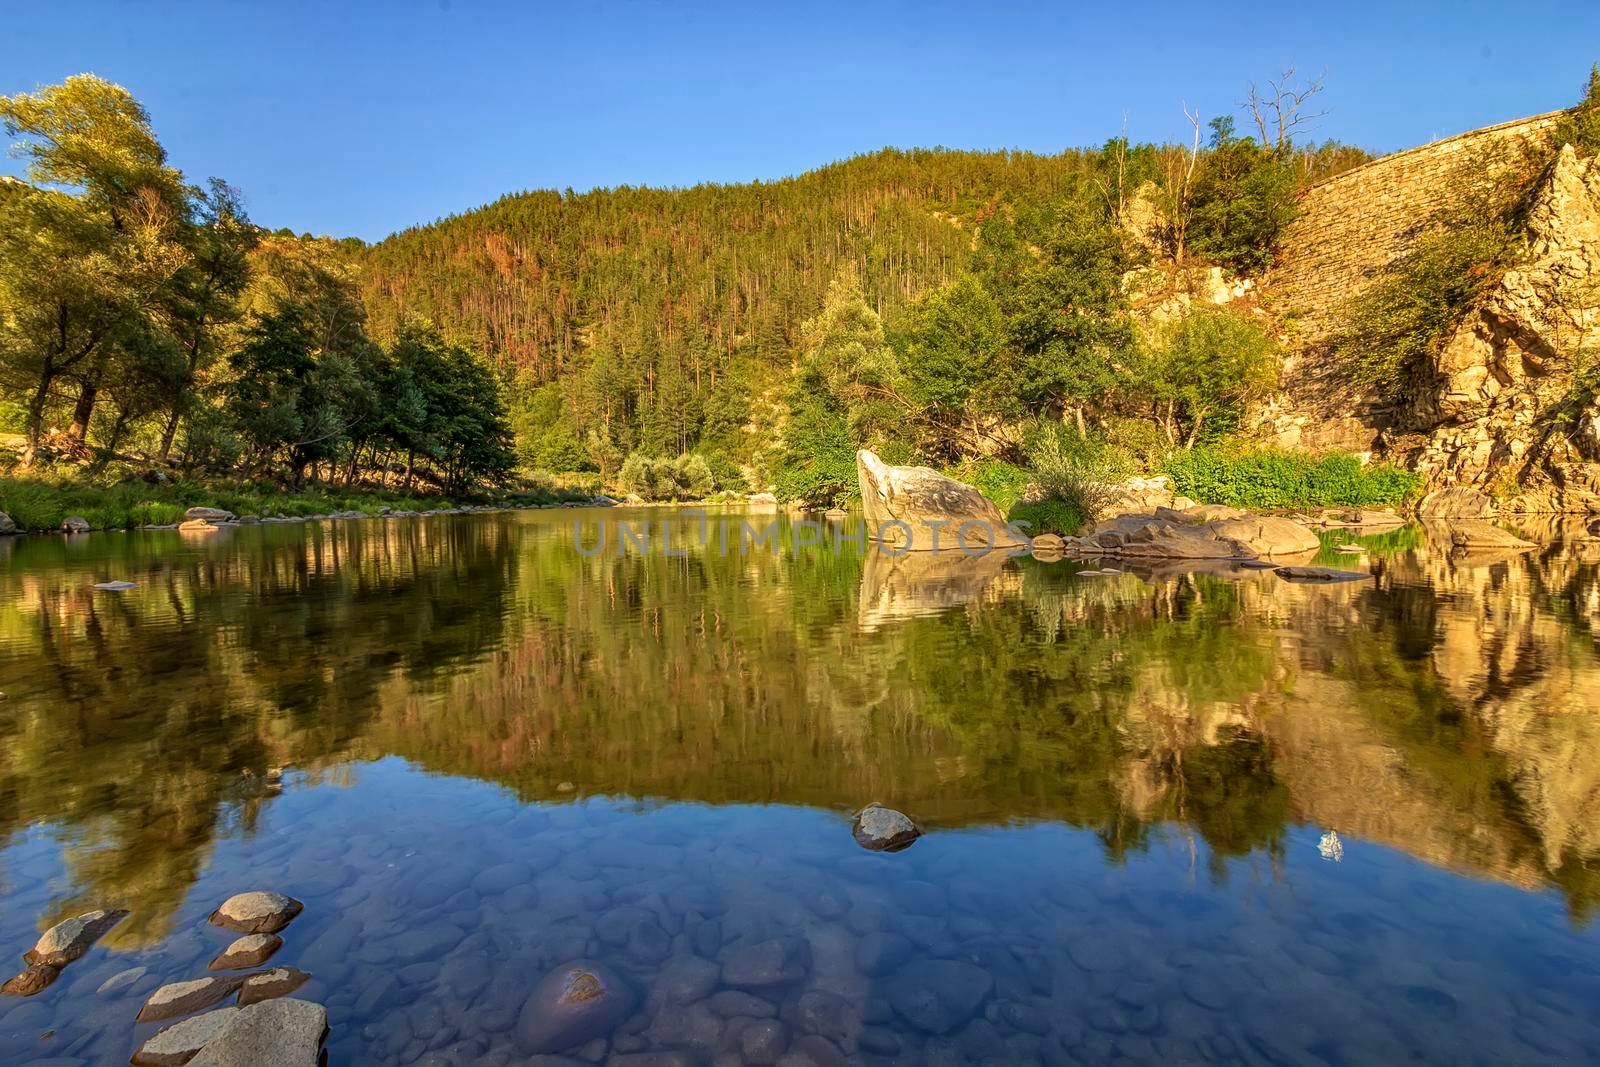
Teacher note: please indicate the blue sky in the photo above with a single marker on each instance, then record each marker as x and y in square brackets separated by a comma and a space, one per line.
[364, 118]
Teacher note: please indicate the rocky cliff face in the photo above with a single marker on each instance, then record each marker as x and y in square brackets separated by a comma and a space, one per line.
[1505, 403]
[1506, 415]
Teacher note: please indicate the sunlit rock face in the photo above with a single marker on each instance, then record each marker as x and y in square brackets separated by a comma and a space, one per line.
[1509, 363]
[921, 510]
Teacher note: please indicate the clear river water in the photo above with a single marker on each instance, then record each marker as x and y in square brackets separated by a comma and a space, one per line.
[1215, 817]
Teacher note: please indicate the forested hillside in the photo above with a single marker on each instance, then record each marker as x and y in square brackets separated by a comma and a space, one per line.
[659, 322]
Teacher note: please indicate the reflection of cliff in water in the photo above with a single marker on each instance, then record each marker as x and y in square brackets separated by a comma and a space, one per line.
[1446, 708]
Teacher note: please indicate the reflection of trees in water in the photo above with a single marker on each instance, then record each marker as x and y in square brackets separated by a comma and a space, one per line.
[1446, 710]
[134, 720]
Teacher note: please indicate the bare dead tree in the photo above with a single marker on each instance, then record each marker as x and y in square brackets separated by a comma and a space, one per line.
[1280, 109]
[1181, 181]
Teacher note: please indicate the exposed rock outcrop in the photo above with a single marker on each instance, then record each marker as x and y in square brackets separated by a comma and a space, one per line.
[919, 509]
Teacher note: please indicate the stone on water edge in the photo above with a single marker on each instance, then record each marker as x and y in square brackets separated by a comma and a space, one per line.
[70, 938]
[278, 982]
[1319, 574]
[251, 950]
[275, 1033]
[936, 512]
[181, 998]
[881, 829]
[181, 1042]
[257, 912]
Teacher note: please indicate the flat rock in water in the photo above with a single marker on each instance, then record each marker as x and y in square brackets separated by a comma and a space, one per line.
[121, 980]
[1477, 534]
[571, 1005]
[1318, 574]
[276, 1033]
[257, 912]
[1259, 564]
[71, 938]
[251, 950]
[31, 981]
[278, 982]
[882, 829]
[114, 587]
[181, 998]
[197, 526]
[939, 995]
[209, 514]
[178, 1043]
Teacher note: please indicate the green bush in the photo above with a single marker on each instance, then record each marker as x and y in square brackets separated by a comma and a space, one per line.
[688, 477]
[1047, 516]
[1267, 478]
[1072, 469]
[1002, 482]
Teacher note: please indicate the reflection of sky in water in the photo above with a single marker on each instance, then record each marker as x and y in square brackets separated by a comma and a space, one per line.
[1129, 784]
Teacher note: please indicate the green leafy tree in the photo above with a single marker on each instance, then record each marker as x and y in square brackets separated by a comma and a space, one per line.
[1201, 373]
[1243, 198]
[87, 247]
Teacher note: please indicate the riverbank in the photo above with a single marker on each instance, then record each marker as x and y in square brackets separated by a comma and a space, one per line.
[44, 505]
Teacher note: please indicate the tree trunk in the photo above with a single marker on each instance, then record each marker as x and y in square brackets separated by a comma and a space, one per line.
[83, 412]
[36, 418]
[411, 468]
[169, 435]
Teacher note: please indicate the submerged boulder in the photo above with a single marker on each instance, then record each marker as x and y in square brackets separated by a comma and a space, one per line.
[31, 981]
[882, 829]
[573, 1004]
[919, 509]
[939, 995]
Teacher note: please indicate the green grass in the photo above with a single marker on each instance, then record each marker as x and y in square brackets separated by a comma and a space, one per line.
[1269, 478]
[41, 503]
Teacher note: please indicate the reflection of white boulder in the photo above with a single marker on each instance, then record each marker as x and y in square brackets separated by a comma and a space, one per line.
[918, 508]
[904, 585]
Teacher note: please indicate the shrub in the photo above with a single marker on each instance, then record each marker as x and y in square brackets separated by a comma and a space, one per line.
[1072, 469]
[1002, 482]
[1580, 127]
[688, 477]
[1267, 478]
[1047, 516]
